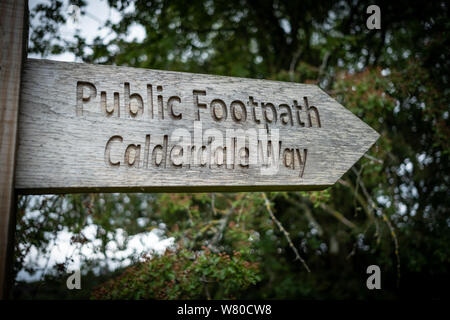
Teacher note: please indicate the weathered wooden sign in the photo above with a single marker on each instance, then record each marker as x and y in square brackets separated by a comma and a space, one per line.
[105, 128]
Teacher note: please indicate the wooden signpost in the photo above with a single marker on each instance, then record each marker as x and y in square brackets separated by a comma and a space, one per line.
[86, 128]
[95, 128]
[13, 39]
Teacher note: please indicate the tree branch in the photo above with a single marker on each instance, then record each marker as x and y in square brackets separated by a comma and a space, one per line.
[286, 234]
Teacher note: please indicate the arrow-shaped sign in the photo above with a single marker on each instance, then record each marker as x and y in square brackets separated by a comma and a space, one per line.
[104, 128]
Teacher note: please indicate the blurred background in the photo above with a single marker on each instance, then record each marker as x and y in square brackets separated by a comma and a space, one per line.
[391, 209]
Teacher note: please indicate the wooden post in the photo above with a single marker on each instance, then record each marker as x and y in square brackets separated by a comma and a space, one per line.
[13, 41]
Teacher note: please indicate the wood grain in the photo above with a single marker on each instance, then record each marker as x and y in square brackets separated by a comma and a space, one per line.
[12, 47]
[70, 111]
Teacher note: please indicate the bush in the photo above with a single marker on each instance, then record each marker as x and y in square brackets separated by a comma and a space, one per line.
[182, 274]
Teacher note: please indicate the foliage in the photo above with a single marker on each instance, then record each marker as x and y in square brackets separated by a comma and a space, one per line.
[182, 275]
